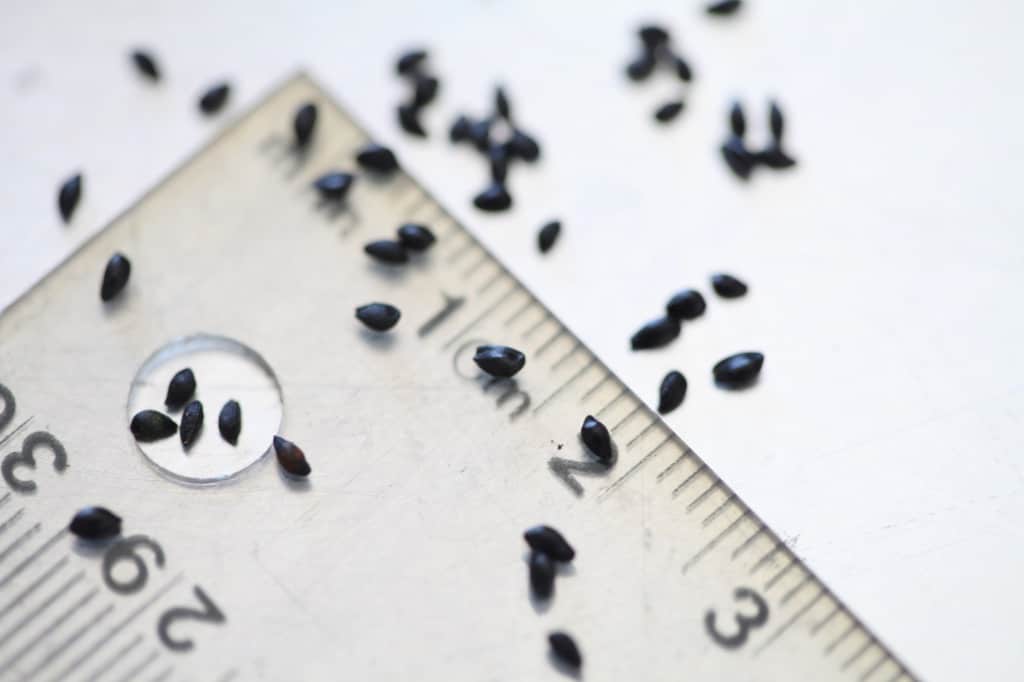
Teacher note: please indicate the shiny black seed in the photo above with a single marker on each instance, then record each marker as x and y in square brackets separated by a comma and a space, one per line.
[671, 392]
[728, 286]
[737, 121]
[542, 575]
[211, 101]
[739, 370]
[334, 186]
[501, 104]
[377, 158]
[688, 304]
[149, 425]
[387, 251]
[480, 133]
[68, 195]
[724, 7]
[191, 423]
[641, 67]
[304, 123]
[291, 457]
[410, 61]
[379, 317]
[776, 122]
[774, 157]
[499, 361]
[115, 276]
[597, 439]
[655, 334]
[548, 235]
[230, 421]
[181, 389]
[409, 119]
[668, 111]
[146, 65]
[416, 237]
[683, 69]
[460, 130]
[524, 146]
[565, 650]
[738, 158]
[95, 523]
[653, 36]
[547, 540]
[494, 198]
[497, 156]
[425, 90]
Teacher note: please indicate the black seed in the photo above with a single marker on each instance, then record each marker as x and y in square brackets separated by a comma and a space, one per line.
[668, 111]
[146, 65]
[524, 146]
[547, 540]
[683, 69]
[425, 90]
[548, 235]
[597, 439]
[499, 361]
[115, 276]
[497, 156]
[480, 133]
[688, 304]
[728, 286]
[501, 105]
[334, 186]
[653, 36]
[191, 423]
[724, 7]
[416, 237]
[181, 389]
[775, 158]
[211, 101]
[671, 392]
[409, 119]
[230, 421]
[460, 130]
[291, 457]
[149, 425]
[738, 158]
[68, 195]
[739, 370]
[776, 122]
[410, 61]
[542, 574]
[304, 124]
[494, 198]
[377, 158]
[655, 334]
[95, 523]
[387, 251]
[379, 317]
[565, 650]
[641, 67]
[737, 121]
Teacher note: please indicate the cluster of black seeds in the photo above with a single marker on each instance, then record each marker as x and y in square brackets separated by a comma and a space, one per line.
[740, 158]
[410, 237]
[424, 89]
[656, 50]
[152, 425]
[548, 548]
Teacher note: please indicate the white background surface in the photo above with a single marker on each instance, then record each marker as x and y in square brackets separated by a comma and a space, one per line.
[884, 437]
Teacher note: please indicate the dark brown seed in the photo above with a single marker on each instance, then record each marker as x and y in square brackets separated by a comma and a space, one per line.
[379, 317]
[653, 36]
[304, 124]
[191, 423]
[494, 198]
[334, 186]
[181, 389]
[668, 111]
[542, 575]
[409, 119]
[115, 276]
[497, 156]
[149, 425]
[737, 121]
[546, 540]
[501, 105]
[727, 286]
[724, 7]
[671, 392]
[655, 334]
[548, 235]
[146, 65]
[387, 251]
[565, 650]
[291, 457]
[230, 421]
[68, 195]
[410, 61]
[641, 67]
[425, 90]
[683, 69]
[377, 158]
[460, 130]
[524, 146]
[598, 440]
[776, 122]
[211, 101]
[688, 304]
[416, 237]
[739, 370]
[499, 361]
[95, 523]
[738, 158]
[774, 157]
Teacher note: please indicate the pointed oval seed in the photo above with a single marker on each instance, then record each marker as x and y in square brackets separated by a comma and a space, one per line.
[653, 35]
[671, 392]
[501, 104]
[548, 235]
[683, 70]
[229, 422]
[724, 7]
[180, 389]
[493, 199]
[379, 317]
[377, 158]
[387, 251]
[547, 540]
[739, 370]
[776, 121]
[737, 121]
[191, 423]
[497, 156]
[499, 361]
[480, 133]
[213, 100]
[425, 90]
[655, 334]
[738, 158]
[688, 304]
[416, 237]
[641, 67]
[304, 124]
[115, 276]
[542, 575]
[460, 129]
[727, 286]
[668, 111]
[409, 119]
[410, 61]
[291, 457]
[565, 650]
[598, 440]
[95, 523]
[524, 146]
[335, 185]
[68, 195]
[146, 64]
[149, 426]
[775, 158]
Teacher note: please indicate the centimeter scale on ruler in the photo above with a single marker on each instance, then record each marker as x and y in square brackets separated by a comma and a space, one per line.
[682, 580]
